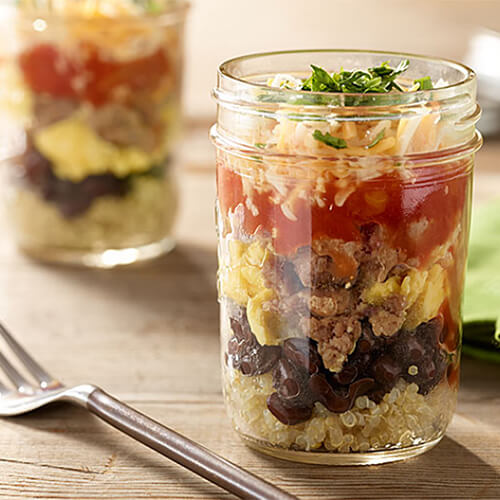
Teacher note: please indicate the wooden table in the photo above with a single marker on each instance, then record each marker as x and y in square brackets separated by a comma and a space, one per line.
[149, 335]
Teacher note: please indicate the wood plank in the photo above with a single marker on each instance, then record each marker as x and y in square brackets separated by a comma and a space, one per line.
[63, 452]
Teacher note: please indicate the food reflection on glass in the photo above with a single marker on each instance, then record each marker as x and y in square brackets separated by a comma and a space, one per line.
[343, 212]
[96, 87]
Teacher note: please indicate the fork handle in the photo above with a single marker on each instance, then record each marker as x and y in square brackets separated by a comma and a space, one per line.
[182, 450]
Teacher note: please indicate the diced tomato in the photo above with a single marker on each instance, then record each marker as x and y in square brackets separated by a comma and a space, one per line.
[47, 70]
[93, 78]
[229, 188]
[105, 75]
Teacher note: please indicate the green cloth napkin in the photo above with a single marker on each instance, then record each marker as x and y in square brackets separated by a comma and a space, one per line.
[481, 310]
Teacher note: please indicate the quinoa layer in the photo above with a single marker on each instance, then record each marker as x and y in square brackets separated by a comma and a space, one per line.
[402, 418]
[144, 215]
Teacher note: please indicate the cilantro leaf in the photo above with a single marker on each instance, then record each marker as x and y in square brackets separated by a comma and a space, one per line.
[329, 140]
[377, 139]
[424, 83]
[321, 80]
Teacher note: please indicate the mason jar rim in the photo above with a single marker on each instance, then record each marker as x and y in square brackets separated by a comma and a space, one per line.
[239, 96]
[170, 14]
[226, 71]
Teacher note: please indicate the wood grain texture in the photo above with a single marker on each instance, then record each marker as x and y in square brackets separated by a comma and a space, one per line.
[149, 335]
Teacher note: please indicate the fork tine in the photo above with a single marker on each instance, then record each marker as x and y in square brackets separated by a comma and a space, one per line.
[19, 381]
[41, 376]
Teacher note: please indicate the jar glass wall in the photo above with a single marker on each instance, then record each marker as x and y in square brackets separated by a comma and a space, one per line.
[91, 96]
[343, 225]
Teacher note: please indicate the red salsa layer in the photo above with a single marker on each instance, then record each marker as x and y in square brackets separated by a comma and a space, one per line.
[89, 75]
[387, 200]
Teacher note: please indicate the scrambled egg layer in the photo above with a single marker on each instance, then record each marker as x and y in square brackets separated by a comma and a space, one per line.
[244, 282]
[76, 152]
[424, 292]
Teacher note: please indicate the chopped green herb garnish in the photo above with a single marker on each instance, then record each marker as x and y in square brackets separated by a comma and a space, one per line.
[377, 139]
[257, 158]
[379, 79]
[260, 145]
[424, 83]
[372, 83]
[329, 140]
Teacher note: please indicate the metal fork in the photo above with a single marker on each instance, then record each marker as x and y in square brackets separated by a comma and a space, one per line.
[27, 397]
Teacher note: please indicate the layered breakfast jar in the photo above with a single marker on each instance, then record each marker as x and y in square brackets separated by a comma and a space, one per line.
[91, 90]
[344, 182]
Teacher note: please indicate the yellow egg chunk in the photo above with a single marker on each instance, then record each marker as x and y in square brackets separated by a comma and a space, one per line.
[243, 281]
[413, 285]
[423, 291]
[379, 292]
[256, 255]
[234, 286]
[254, 280]
[427, 304]
[237, 251]
[263, 323]
[76, 152]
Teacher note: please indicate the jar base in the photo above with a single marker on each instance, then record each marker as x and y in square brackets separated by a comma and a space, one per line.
[103, 259]
[333, 458]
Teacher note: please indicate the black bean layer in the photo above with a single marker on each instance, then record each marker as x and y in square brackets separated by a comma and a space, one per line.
[373, 369]
[71, 198]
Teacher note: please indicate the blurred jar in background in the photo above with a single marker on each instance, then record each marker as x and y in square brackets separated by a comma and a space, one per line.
[92, 92]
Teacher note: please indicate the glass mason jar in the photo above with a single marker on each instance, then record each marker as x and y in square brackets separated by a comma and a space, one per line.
[90, 94]
[341, 270]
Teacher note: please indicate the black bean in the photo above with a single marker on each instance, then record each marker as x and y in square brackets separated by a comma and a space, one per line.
[266, 357]
[334, 400]
[289, 389]
[247, 366]
[287, 379]
[348, 375]
[386, 370]
[233, 346]
[288, 415]
[303, 353]
[240, 329]
[360, 387]
[415, 350]
[71, 198]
